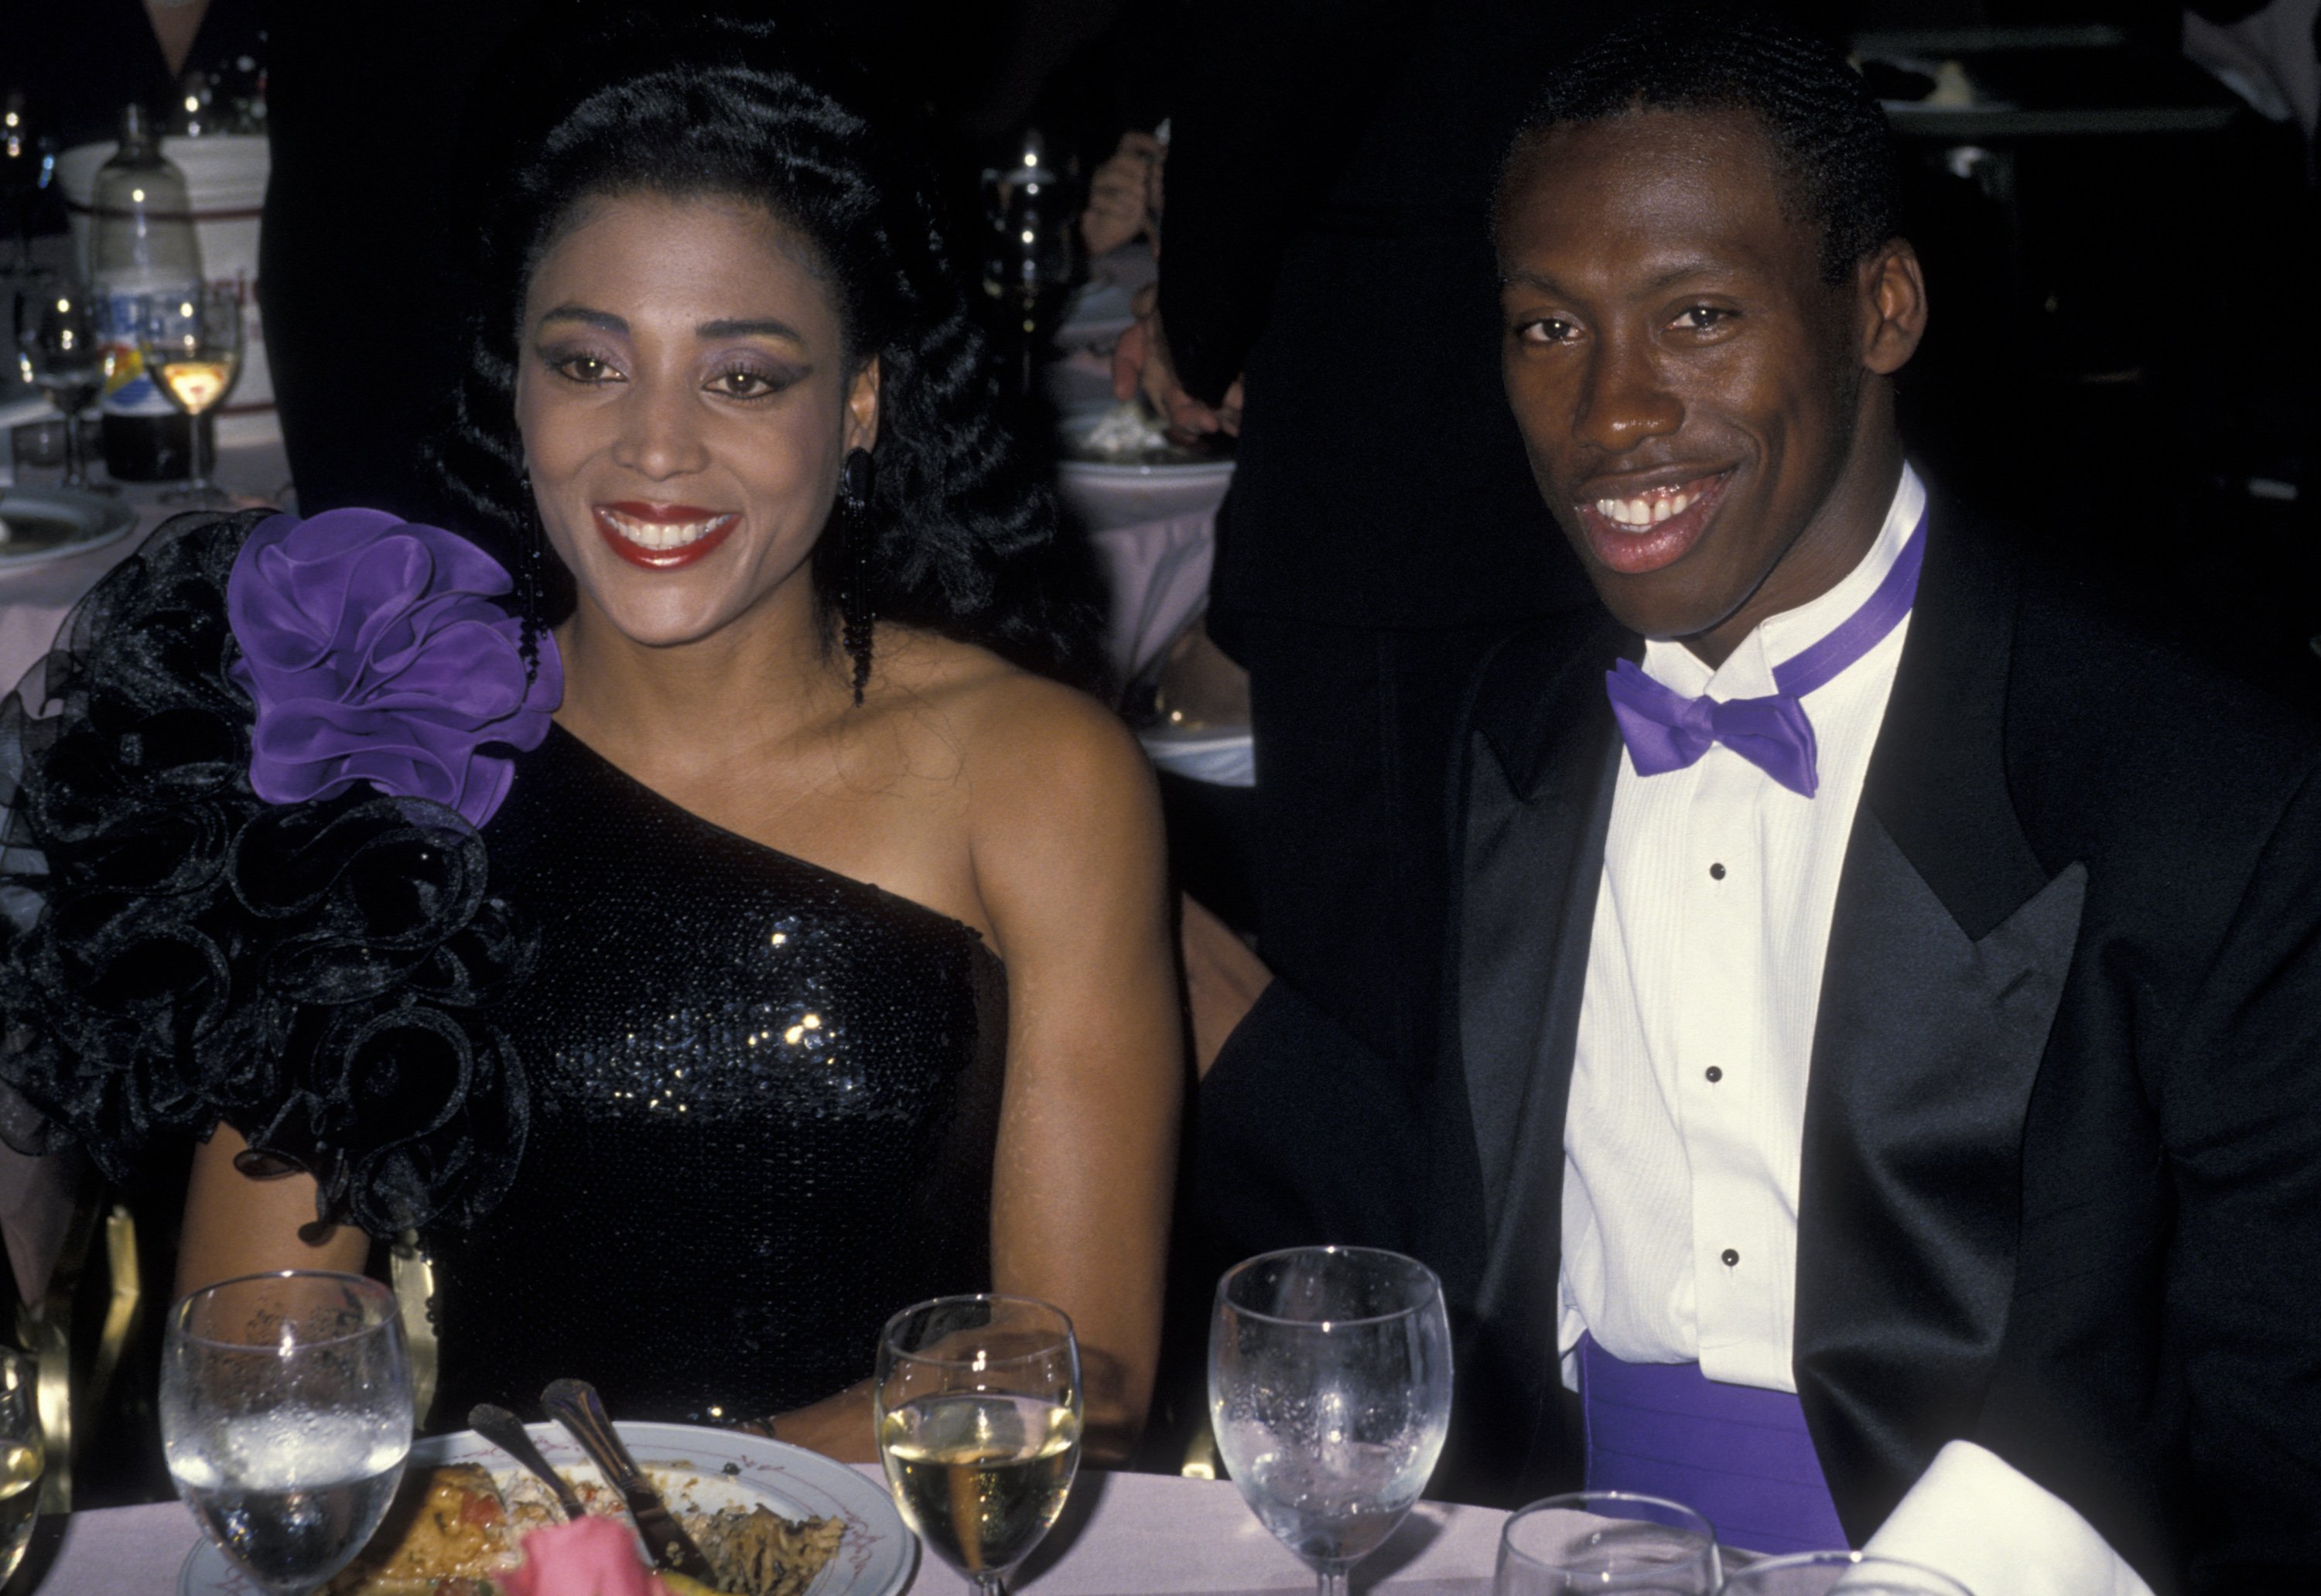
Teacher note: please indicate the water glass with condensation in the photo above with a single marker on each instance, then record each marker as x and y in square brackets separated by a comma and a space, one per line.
[286, 1418]
[1611, 1541]
[1330, 1394]
[1839, 1573]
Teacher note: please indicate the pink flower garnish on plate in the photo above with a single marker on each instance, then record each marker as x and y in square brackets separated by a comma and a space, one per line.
[593, 1558]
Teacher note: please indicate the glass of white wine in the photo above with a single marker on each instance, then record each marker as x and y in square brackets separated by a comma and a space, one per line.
[1330, 1393]
[191, 345]
[286, 1418]
[978, 1409]
[22, 1456]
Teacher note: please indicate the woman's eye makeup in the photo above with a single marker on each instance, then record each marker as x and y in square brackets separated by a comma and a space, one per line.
[751, 378]
[587, 366]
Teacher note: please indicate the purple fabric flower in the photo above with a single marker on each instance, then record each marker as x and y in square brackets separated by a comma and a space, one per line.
[375, 652]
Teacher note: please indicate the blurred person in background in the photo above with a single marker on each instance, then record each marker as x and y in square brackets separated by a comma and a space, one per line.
[82, 60]
[1327, 291]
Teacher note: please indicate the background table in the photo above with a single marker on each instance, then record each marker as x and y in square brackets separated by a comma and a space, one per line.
[1123, 1534]
[33, 598]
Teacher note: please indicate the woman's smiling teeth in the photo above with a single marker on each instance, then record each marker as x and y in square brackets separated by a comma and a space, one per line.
[660, 536]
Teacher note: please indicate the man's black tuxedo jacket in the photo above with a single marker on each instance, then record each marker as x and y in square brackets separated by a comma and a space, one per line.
[2061, 1179]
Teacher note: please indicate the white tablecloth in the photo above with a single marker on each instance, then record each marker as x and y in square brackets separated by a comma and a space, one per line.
[1123, 1534]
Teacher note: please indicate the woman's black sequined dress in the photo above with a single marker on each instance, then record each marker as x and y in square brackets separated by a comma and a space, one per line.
[763, 1102]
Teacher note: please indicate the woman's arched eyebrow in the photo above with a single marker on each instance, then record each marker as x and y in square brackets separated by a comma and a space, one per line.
[604, 321]
[755, 327]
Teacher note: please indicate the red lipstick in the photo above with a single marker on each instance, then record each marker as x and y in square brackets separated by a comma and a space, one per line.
[633, 529]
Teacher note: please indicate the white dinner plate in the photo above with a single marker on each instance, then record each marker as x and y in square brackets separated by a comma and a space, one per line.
[714, 1468]
[44, 526]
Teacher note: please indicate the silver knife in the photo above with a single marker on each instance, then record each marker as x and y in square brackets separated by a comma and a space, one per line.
[575, 1405]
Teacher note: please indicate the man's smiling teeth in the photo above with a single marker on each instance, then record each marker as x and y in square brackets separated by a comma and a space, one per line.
[1648, 510]
[655, 534]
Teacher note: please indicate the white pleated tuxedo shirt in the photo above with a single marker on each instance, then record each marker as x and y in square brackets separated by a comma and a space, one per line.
[1686, 1117]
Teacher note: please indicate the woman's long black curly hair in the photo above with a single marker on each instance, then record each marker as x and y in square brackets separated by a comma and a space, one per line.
[624, 98]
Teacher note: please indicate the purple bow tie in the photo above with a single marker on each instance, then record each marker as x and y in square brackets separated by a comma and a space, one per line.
[1666, 731]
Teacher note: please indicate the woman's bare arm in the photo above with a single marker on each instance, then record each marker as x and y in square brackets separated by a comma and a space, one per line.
[1070, 861]
[1065, 832]
[237, 1226]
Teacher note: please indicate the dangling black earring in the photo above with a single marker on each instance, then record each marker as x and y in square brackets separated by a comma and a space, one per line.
[528, 585]
[854, 601]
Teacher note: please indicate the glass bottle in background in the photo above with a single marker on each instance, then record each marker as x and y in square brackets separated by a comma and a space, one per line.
[142, 248]
[1032, 257]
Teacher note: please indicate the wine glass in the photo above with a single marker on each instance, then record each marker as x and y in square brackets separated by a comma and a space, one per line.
[1841, 1573]
[1612, 1541]
[286, 1418]
[978, 1409]
[22, 1457]
[64, 352]
[191, 344]
[1330, 1392]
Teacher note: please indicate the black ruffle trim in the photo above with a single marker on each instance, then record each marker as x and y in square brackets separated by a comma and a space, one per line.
[174, 951]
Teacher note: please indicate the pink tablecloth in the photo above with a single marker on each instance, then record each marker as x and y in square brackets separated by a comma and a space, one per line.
[1123, 1534]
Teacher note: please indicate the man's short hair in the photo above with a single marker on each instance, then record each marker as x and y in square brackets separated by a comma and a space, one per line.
[1828, 135]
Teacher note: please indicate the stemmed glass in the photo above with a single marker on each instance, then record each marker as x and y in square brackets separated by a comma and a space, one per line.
[65, 354]
[191, 344]
[286, 1418]
[1840, 1574]
[22, 1457]
[1612, 1541]
[1330, 1392]
[979, 1407]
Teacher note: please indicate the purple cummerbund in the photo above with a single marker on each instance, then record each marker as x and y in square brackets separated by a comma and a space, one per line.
[1736, 1454]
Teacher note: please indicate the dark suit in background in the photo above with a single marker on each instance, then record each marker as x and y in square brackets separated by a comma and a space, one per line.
[2061, 1166]
[1327, 234]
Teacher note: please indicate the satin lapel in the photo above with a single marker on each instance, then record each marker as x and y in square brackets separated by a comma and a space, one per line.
[1542, 761]
[1947, 956]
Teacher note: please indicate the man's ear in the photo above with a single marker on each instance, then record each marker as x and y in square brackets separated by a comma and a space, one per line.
[1891, 289]
[862, 406]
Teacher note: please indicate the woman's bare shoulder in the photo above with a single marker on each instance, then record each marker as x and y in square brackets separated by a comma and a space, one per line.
[1010, 726]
